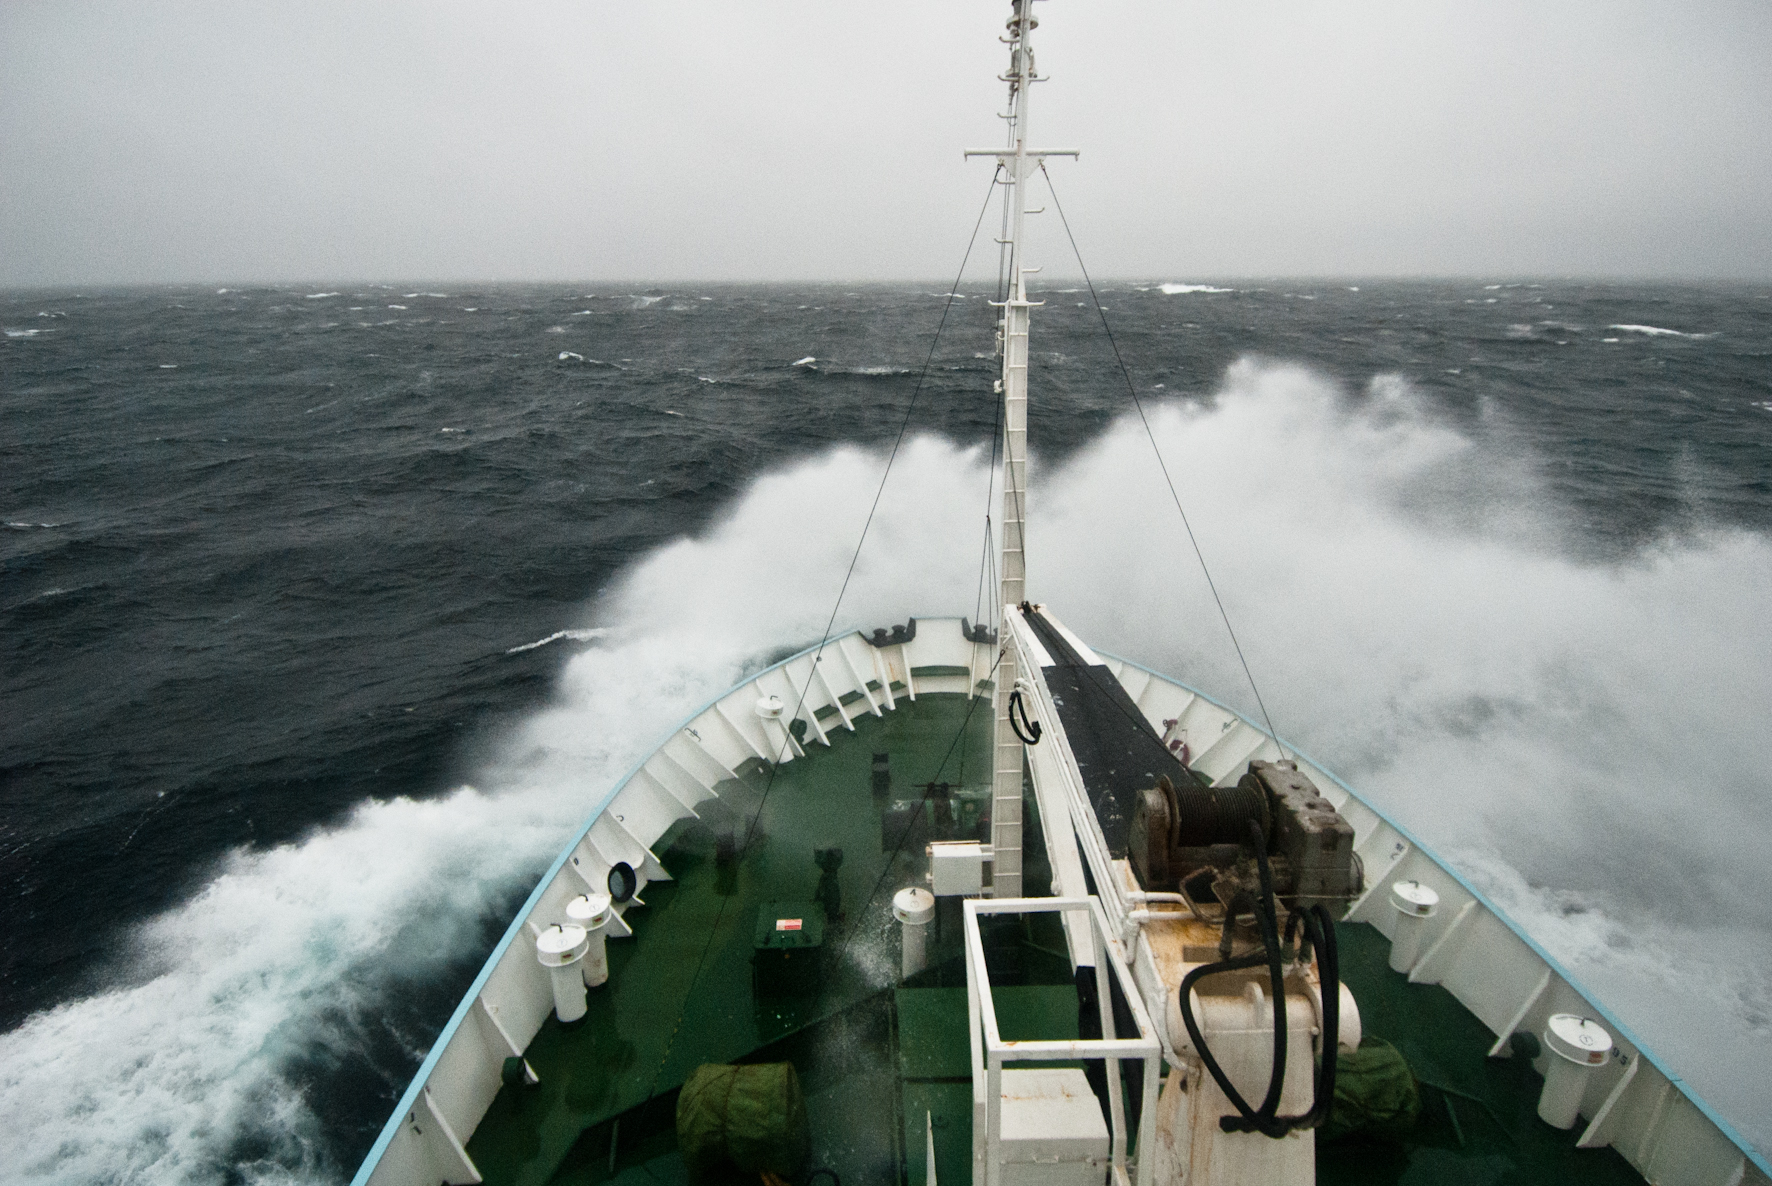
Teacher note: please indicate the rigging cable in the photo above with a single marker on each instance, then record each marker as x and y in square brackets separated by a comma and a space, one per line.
[1132, 390]
[825, 639]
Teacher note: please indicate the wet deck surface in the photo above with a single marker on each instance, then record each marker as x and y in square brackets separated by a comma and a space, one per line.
[876, 1058]
[1479, 1116]
[675, 999]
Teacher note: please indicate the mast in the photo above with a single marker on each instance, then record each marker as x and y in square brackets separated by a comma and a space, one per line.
[1019, 163]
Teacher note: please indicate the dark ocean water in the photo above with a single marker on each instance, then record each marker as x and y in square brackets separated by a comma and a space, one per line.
[273, 558]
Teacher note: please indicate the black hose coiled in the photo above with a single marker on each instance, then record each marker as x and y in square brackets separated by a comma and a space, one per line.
[1016, 705]
[1319, 930]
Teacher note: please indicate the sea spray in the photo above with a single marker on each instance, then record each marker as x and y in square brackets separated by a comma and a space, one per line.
[1409, 602]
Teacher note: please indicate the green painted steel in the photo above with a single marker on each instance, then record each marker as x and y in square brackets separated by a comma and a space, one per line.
[880, 1063]
[680, 991]
[1479, 1115]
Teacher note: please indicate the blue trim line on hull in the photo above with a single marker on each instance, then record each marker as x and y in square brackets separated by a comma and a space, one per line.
[410, 1100]
[422, 1076]
[1618, 1026]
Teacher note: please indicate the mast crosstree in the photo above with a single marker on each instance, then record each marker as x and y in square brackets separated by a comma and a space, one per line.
[1018, 162]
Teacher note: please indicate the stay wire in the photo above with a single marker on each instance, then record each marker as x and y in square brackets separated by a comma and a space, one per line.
[922, 805]
[988, 563]
[825, 639]
[1132, 390]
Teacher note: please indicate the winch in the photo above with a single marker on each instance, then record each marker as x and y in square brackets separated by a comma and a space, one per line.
[1199, 841]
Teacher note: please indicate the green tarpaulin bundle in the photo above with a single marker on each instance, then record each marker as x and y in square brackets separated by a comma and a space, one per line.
[1375, 1092]
[749, 1118]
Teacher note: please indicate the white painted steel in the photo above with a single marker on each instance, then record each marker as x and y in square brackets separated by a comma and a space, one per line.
[1500, 974]
[593, 912]
[561, 949]
[512, 996]
[1581, 1046]
[1414, 903]
[1018, 164]
[914, 909]
[990, 1052]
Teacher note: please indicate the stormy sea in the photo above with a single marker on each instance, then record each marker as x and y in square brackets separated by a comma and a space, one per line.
[328, 612]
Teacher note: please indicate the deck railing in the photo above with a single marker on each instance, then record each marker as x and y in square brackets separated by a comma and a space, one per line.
[990, 1052]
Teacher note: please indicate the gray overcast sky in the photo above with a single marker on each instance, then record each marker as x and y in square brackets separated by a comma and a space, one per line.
[152, 141]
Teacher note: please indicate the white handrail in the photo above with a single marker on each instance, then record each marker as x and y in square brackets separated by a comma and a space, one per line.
[990, 1051]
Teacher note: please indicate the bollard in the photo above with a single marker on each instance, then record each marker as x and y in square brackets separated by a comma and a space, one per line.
[915, 909]
[592, 912]
[1579, 1046]
[1415, 904]
[560, 949]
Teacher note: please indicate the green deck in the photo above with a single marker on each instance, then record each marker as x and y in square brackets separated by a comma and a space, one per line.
[1479, 1115]
[874, 1057]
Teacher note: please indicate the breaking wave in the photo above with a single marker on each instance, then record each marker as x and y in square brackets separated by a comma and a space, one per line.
[1566, 731]
[1655, 331]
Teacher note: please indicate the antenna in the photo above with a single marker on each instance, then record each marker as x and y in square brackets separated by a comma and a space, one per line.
[1019, 163]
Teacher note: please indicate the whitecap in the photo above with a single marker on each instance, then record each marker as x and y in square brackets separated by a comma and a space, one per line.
[1655, 331]
[23, 333]
[169, 366]
[319, 296]
[556, 636]
[1179, 289]
[396, 306]
[805, 362]
[566, 354]
[556, 329]
[674, 412]
[444, 430]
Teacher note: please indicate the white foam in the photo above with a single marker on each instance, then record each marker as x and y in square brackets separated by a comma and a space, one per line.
[805, 362]
[556, 636]
[1415, 620]
[23, 333]
[1419, 624]
[319, 296]
[1179, 289]
[566, 354]
[284, 951]
[396, 306]
[1654, 331]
